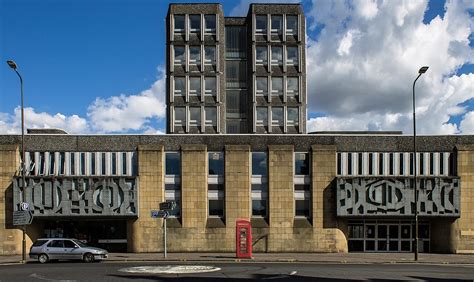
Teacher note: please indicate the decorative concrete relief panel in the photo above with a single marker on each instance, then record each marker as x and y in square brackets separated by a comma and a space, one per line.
[360, 196]
[79, 196]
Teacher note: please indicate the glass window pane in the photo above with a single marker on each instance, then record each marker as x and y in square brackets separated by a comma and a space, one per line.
[292, 56]
[210, 54]
[262, 116]
[195, 116]
[277, 55]
[179, 115]
[180, 86]
[210, 84]
[259, 163]
[302, 208]
[277, 116]
[236, 41]
[277, 86]
[210, 22]
[292, 116]
[179, 55]
[178, 23]
[292, 85]
[301, 164]
[195, 86]
[262, 86]
[172, 164]
[291, 25]
[216, 207]
[261, 55]
[195, 22]
[277, 25]
[211, 116]
[194, 55]
[261, 24]
[259, 208]
[216, 163]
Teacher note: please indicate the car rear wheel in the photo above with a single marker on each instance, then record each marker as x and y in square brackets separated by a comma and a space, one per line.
[88, 257]
[43, 258]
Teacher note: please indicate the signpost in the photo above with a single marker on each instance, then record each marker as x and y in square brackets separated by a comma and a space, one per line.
[165, 208]
[23, 217]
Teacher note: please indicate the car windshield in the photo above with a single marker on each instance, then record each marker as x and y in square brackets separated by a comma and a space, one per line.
[82, 245]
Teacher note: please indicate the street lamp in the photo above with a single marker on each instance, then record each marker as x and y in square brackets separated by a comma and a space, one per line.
[14, 67]
[421, 71]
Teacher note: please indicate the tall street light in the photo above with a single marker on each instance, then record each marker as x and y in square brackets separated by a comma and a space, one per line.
[14, 67]
[421, 71]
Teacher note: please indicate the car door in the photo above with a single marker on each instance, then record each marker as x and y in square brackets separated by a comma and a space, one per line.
[55, 249]
[71, 250]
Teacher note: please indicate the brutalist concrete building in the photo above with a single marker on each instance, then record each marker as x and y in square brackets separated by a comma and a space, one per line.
[331, 192]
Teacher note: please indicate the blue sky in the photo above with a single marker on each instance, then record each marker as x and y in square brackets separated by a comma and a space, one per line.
[73, 52]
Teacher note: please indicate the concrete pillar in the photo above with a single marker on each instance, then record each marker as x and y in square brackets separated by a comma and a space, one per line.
[464, 226]
[10, 237]
[145, 233]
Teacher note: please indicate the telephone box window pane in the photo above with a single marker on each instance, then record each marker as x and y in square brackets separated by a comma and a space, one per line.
[277, 116]
[178, 23]
[291, 25]
[173, 163]
[302, 163]
[216, 163]
[259, 163]
[179, 86]
[261, 55]
[179, 58]
[195, 23]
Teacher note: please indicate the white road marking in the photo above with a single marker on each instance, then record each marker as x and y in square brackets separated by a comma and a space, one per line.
[34, 275]
[170, 269]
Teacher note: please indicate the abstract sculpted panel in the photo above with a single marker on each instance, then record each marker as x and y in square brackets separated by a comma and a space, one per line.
[363, 196]
[49, 196]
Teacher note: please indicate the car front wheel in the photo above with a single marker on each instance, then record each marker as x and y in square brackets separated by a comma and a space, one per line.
[43, 258]
[88, 257]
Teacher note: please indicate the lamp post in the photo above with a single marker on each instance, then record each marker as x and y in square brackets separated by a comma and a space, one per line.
[14, 67]
[421, 71]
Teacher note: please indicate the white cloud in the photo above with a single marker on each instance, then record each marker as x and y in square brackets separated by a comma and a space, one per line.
[366, 58]
[242, 8]
[467, 124]
[132, 112]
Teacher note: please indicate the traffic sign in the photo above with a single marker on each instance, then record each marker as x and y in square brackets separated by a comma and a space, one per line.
[22, 217]
[159, 214]
[169, 205]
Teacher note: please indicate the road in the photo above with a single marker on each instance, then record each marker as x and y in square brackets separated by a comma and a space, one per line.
[111, 271]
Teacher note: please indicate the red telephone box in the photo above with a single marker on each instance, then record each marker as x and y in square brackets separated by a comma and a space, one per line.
[243, 236]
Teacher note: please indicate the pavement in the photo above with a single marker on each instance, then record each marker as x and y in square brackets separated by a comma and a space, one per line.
[320, 258]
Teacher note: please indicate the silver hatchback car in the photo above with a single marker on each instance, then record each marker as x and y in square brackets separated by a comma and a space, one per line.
[65, 249]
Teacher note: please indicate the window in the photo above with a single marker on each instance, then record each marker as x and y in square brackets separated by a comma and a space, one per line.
[179, 86]
[216, 206]
[92, 163]
[236, 74]
[195, 23]
[233, 103]
[371, 164]
[401, 164]
[412, 164]
[292, 25]
[441, 163]
[259, 163]
[261, 56]
[301, 163]
[262, 116]
[172, 163]
[260, 25]
[210, 85]
[381, 166]
[62, 162]
[179, 24]
[194, 55]
[179, 57]
[51, 163]
[422, 163]
[114, 163]
[103, 164]
[277, 25]
[211, 116]
[179, 116]
[72, 163]
[391, 165]
[339, 163]
[302, 200]
[195, 116]
[277, 86]
[277, 56]
[292, 86]
[83, 163]
[292, 116]
[209, 55]
[195, 86]
[259, 200]
[292, 56]
[235, 42]
[349, 163]
[277, 116]
[124, 163]
[210, 24]
[216, 163]
[431, 163]
[262, 86]
[359, 163]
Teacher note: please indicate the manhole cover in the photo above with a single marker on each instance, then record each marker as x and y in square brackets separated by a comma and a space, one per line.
[170, 269]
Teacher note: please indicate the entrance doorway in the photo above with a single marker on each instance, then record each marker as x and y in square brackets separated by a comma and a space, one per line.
[387, 236]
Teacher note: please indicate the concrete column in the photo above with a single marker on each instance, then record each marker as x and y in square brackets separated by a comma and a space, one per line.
[194, 185]
[281, 196]
[464, 226]
[10, 237]
[145, 233]
[326, 226]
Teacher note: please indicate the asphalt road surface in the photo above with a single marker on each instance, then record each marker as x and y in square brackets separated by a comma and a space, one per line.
[114, 271]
